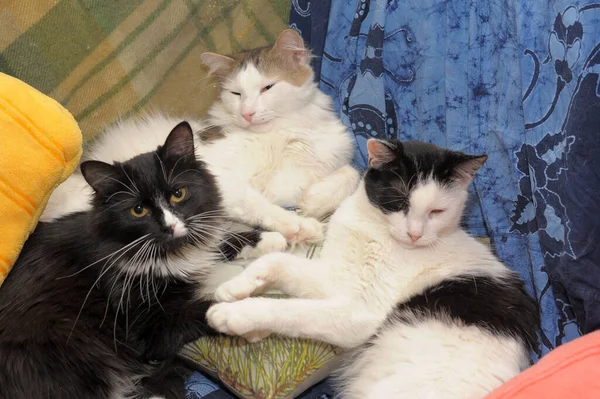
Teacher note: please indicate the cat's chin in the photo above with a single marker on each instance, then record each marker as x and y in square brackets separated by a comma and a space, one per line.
[260, 127]
[175, 245]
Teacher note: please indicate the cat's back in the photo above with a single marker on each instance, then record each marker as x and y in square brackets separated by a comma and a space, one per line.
[128, 138]
[48, 348]
[460, 324]
[48, 281]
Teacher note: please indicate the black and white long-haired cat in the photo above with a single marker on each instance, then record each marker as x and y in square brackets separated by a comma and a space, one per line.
[429, 311]
[100, 300]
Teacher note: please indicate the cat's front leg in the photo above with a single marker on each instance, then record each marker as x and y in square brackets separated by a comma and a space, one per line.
[247, 205]
[334, 321]
[291, 274]
[297, 229]
[327, 194]
[251, 244]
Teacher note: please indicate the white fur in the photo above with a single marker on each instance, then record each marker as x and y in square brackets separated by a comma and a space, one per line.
[270, 241]
[433, 359]
[366, 267]
[294, 153]
[177, 226]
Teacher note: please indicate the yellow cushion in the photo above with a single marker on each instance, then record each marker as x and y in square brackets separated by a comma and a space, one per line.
[40, 146]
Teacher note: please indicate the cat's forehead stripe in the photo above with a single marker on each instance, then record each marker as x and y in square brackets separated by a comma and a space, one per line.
[423, 195]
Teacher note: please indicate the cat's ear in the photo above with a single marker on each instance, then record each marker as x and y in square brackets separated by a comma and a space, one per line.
[100, 175]
[217, 62]
[466, 167]
[180, 142]
[381, 152]
[290, 42]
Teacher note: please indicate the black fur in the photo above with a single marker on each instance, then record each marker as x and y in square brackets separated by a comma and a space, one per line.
[235, 243]
[388, 186]
[499, 305]
[72, 320]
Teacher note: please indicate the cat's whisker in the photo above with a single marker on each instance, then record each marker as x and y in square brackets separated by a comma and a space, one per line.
[120, 192]
[128, 281]
[207, 214]
[169, 181]
[162, 166]
[174, 180]
[152, 261]
[203, 79]
[208, 220]
[149, 275]
[115, 279]
[223, 236]
[130, 180]
[152, 278]
[123, 184]
[154, 291]
[134, 265]
[125, 248]
[199, 234]
[102, 273]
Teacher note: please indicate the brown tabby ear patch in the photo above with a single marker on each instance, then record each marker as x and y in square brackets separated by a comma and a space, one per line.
[287, 60]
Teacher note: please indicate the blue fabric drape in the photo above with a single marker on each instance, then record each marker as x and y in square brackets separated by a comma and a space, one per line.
[518, 80]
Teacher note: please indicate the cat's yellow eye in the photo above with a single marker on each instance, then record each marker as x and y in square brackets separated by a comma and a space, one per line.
[179, 194]
[139, 211]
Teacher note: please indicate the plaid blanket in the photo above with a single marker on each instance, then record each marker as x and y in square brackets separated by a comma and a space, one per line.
[105, 60]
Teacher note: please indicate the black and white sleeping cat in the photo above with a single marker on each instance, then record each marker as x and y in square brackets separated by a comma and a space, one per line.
[100, 301]
[429, 312]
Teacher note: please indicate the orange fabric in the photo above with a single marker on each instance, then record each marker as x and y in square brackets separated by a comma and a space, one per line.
[571, 371]
[40, 148]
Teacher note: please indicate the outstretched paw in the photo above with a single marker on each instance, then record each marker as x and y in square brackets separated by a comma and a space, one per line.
[230, 318]
[239, 287]
[311, 232]
[298, 230]
[270, 241]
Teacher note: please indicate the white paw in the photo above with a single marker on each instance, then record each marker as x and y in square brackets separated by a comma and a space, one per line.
[271, 241]
[311, 231]
[229, 318]
[289, 225]
[235, 289]
[243, 285]
[298, 230]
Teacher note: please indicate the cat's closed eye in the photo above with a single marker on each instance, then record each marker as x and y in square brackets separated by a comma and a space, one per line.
[139, 211]
[435, 212]
[235, 93]
[267, 87]
[179, 194]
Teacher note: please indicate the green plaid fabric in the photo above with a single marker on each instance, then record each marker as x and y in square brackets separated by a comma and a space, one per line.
[107, 59]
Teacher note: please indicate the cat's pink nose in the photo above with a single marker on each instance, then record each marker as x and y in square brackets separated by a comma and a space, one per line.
[414, 237]
[248, 116]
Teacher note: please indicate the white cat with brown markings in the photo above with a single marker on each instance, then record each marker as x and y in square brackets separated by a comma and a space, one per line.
[278, 144]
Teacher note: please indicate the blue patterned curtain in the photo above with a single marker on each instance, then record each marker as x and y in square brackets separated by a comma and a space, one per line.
[518, 80]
